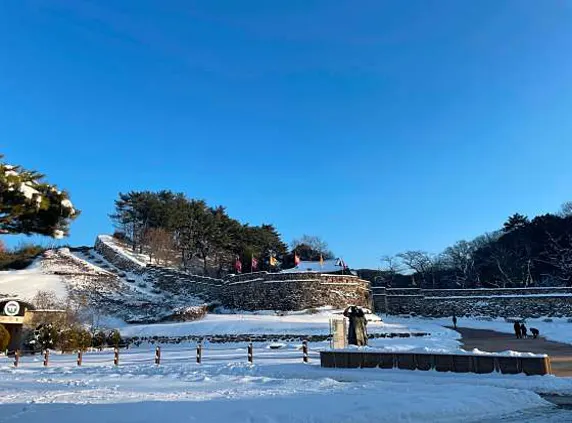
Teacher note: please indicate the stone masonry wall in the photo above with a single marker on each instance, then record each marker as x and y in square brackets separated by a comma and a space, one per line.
[116, 258]
[294, 291]
[514, 302]
[252, 291]
[181, 283]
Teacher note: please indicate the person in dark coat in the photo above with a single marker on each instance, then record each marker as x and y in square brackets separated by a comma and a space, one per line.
[357, 334]
[517, 330]
[523, 330]
[454, 321]
[535, 332]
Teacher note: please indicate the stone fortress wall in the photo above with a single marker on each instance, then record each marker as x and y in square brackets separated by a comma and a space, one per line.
[509, 302]
[252, 291]
[297, 291]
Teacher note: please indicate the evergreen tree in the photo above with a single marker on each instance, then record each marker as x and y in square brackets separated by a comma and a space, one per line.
[515, 221]
[29, 205]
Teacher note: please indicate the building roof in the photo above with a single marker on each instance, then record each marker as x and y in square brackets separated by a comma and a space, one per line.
[329, 266]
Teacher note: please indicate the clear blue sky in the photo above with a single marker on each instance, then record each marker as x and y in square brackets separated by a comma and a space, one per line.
[379, 126]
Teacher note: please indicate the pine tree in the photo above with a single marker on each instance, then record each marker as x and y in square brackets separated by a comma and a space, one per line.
[28, 205]
[515, 221]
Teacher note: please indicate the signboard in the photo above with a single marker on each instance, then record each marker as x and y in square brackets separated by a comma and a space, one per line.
[12, 308]
[12, 319]
[338, 333]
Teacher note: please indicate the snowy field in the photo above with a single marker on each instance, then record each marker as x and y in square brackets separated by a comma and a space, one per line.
[277, 388]
[26, 283]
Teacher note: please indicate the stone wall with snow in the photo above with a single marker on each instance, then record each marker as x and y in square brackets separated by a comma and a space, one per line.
[517, 302]
[294, 291]
[117, 257]
[182, 283]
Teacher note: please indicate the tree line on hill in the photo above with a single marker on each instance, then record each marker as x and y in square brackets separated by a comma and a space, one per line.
[174, 229]
[523, 253]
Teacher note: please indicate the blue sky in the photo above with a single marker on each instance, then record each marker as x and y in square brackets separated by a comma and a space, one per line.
[379, 126]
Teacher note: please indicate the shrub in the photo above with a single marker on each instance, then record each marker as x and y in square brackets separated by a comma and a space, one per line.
[114, 338]
[73, 339]
[99, 339]
[46, 336]
[19, 258]
[120, 235]
[4, 338]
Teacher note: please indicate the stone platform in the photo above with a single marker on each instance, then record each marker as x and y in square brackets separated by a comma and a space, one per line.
[458, 363]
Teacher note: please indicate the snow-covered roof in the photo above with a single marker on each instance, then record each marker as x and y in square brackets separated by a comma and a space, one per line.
[329, 266]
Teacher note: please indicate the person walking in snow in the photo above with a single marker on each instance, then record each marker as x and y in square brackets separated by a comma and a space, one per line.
[523, 331]
[454, 322]
[517, 330]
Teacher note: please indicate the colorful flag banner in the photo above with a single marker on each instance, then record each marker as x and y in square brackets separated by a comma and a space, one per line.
[254, 264]
[238, 266]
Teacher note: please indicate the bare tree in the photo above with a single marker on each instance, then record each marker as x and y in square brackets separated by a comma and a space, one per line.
[391, 266]
[566, 209]
[558, 253]
[315, 243]
[160, 245]
[47, 300]
[421, 263]
[460, 259]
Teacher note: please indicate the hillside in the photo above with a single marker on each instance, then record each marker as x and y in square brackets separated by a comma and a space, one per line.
[83, 276]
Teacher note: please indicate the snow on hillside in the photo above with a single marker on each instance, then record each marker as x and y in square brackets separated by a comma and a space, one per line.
[84, 274]
[26, 283]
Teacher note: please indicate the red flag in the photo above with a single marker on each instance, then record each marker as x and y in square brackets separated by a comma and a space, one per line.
[296, 259]
[238, 266]
[254, 264]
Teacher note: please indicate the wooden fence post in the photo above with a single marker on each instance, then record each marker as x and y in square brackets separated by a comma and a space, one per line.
[158, 355]
[199, 352]
[16, 358]
[46, 357]
[250, 353]
[305, 351]
[116, 356]
[79, 357]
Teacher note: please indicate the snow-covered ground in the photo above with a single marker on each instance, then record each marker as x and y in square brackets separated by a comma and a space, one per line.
[26, 283]
[277, 388]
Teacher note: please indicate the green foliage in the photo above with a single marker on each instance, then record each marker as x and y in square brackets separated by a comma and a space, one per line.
[199, 231]
[4, 338]
[74, 339]
[99, 340]
[114, 338]
[516, 221]
[46, 336]
[28, 205]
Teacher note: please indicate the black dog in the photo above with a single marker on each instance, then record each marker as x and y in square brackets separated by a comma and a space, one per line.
[534, 332]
